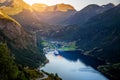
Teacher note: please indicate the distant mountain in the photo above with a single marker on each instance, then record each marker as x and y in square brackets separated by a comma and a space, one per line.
[59, 14]
[6, 3]
[39, 7]
[101, 29]
[32, 18]
[21, 43]
[83, 15]
[24, 14]
[13, 7]
[54, 14]
[54, 18]
[47, 14]
[58, 7]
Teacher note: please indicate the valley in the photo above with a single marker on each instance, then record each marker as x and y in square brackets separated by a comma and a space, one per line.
[62, 46]
[87, 42]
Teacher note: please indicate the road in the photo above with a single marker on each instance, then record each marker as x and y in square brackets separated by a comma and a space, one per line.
[45, 76]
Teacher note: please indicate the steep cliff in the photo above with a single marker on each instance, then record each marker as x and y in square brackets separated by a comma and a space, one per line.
[21, 43]
[13, 7]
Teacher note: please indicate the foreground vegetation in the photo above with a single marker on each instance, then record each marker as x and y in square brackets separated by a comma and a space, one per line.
[52, 76]
[113, 70]
[9, 70]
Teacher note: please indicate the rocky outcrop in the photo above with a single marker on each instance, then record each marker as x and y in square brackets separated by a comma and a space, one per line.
[13, 7]
[21, 43]
[15, 32]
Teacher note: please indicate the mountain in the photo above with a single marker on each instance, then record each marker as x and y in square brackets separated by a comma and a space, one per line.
[58, 7]
[33, 19]
[54, 18]
[39, 7]
[98, 33]
[21, 43]
[24, 14]
[83, 15]
[102, 37]
[59, 14]
[54, 14]
[13, 7]
[47, 14]
[102, 28]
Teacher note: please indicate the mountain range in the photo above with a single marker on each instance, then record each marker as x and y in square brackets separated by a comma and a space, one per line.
[99, 37]
[83, 15]
[95, 29]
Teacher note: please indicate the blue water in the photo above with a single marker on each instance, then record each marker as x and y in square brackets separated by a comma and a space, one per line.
[73, 66]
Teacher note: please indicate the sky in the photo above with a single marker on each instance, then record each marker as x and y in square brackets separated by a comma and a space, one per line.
[78, 4]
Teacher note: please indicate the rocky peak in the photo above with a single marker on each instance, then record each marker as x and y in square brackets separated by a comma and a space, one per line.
[92, 6]
[118, 5]
[63, 7]
[13, 7]
[39, 7]
[97, 8]
[88, 12]
[6, 2]
[109, 5]
[58, 7]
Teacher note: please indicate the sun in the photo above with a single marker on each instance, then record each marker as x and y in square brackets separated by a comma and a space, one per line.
[47, 2]
[38, 1]
[29, 1]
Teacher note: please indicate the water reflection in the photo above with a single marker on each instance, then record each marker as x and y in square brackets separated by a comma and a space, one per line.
[73, 66]
[75, 55]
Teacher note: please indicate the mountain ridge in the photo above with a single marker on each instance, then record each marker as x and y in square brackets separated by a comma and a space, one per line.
[21, 43]
[14, 7]
[47, 14]
[58, 7]
[10, 6]
[89, 11]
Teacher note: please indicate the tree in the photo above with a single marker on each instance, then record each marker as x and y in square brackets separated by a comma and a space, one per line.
[8, 68]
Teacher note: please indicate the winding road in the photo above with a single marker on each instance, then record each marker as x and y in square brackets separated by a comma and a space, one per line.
[45, 76]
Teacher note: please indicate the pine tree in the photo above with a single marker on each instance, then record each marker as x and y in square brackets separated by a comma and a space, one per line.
[8, 68]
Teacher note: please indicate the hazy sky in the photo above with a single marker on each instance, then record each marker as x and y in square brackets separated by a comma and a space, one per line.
[78, 4]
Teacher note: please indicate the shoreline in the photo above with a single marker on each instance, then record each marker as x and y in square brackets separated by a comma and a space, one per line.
[96, 67]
